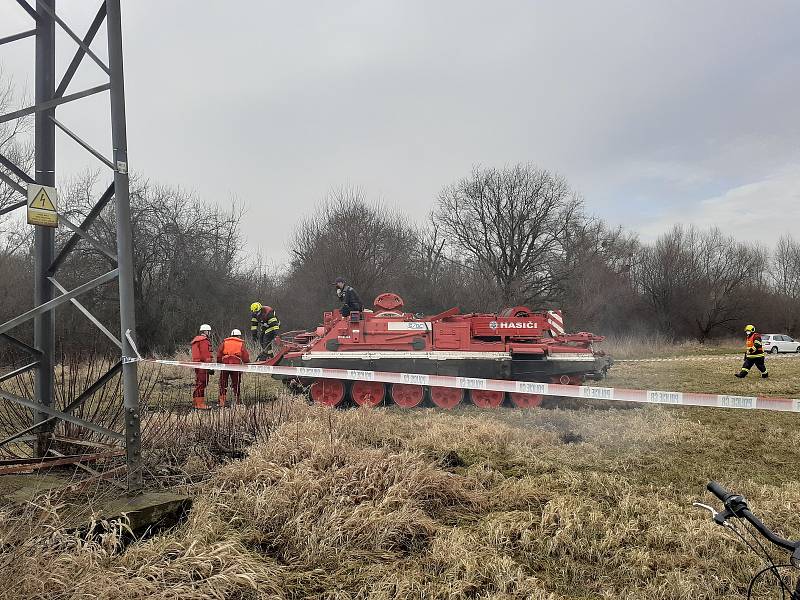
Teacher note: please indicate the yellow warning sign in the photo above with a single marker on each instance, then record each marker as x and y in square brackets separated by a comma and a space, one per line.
[42, 201]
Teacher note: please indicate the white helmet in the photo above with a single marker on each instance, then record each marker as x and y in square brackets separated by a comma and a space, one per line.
[236, 333]
[205, 327]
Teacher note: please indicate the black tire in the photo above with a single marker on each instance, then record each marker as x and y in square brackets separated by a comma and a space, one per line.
[774, 350]
[797, 350]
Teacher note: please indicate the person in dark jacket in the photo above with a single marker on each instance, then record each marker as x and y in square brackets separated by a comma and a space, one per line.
[349, 297]
[264, 324]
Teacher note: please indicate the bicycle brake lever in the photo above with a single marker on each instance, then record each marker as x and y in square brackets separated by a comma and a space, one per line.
[710, 509]
[720, 518]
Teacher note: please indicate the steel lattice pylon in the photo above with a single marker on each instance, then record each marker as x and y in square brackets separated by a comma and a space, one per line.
[48, 293]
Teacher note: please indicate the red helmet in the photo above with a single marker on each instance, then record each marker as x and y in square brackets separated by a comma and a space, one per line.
[267, 309]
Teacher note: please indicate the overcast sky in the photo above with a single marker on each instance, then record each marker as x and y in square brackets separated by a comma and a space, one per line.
[657, 112]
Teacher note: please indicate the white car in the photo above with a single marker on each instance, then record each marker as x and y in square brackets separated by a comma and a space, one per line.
[775, 342]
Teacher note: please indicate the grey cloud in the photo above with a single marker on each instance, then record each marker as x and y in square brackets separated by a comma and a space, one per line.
[645, 107]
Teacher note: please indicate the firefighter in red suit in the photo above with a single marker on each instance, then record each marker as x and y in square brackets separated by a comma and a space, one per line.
[202, 353]
[232, 351]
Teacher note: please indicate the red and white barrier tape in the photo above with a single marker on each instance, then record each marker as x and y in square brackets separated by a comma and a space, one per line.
[501, 385]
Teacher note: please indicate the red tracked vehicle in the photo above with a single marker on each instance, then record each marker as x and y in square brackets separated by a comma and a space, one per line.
[517, 344]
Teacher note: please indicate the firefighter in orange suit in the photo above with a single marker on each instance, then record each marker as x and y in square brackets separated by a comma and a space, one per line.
[232, 351]
[754, 353]
[202, 353]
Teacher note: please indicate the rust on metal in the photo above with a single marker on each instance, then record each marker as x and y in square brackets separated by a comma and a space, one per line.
[29, 465]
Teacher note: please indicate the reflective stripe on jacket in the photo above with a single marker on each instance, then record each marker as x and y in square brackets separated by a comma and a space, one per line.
[272, 324]
[268, 322]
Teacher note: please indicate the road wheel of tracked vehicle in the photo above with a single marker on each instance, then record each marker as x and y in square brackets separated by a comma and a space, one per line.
[406, 395]
[368, 393]
[486, 398]
[521, 400]
[329, 392]
[445, 397]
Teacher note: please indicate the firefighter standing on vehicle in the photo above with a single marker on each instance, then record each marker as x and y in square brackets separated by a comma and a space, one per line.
[264, 324]
[232, 351]
[349, 297]
[201, 353]
[754, 353]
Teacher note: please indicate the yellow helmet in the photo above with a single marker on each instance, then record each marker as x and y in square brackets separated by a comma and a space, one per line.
[255, 307]
[750, 329]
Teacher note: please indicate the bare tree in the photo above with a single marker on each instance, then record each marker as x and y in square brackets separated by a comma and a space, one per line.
[434, 281]
[785, 272]
[187, 260]
[16, 289]
[364, 242]
[429, 251]
[785, 280]
[696, 283]
[731, 274]
[14, 145]
[598, 293]
[510, 226]
[662, 277]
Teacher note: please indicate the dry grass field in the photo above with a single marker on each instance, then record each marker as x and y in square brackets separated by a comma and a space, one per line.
[542, 504]
[656, 346]
[713, 374]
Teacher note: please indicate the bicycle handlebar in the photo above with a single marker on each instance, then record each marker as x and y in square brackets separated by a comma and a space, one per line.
[736, 506]
[719, 491]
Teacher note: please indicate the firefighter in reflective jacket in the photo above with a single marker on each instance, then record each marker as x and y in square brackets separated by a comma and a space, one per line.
[754, 353]
[264, 324]
[232, 351]
[201, 352]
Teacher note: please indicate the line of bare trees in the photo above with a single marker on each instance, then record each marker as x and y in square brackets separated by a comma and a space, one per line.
[520, 235]
[498, 237]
